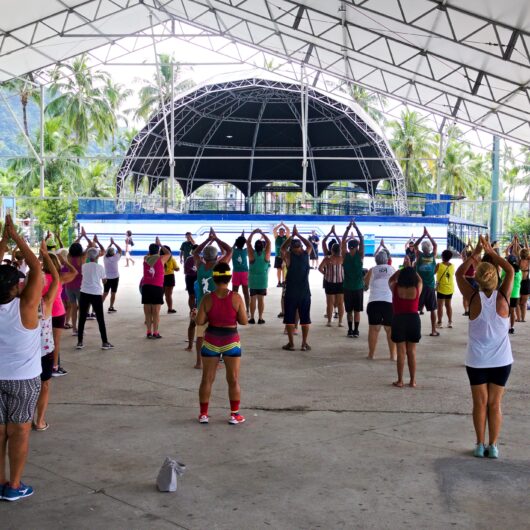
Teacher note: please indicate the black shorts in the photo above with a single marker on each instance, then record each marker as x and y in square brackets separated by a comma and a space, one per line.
[190, 281]
[441, 296]
[525, 287]
[302, 304]
[278, 262]
[334, 288]
[379, 313]
[59, 321]
[406, 328]
[482, 376]
[428, 298]
[514, 302]
[152, 295]
[258, 292]
[46, 362]
[169, 280]
[111, 285]
[353, 300]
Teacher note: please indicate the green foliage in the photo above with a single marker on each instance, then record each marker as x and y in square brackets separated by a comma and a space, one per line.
[56, 215]
[519, 225]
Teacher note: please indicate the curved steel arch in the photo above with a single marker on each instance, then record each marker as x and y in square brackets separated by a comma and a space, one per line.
[361, 152]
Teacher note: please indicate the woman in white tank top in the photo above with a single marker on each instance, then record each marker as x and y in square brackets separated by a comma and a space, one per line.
[379, 308]
[489, 353]
[20, 360]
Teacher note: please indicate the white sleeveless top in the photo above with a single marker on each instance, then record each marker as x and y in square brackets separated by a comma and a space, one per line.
[20, 348]
[379, 289]
[489, 345]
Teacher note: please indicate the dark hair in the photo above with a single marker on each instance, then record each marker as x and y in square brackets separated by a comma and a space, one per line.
[447, 255]
[167, 248]
[128, 233]
[153, 249]
[193, 247]
[407, 277]
[353, 243]
[512, 260]
[9, 277]
[335, 249]
[486, 258]
[240, 242]
[221, 274]
[75, 250]
[258, 246]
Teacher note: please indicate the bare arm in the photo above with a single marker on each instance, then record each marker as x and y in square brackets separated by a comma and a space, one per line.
[225, 248]
[68, 276]
[242, 318]
[283, 249]
[361, 239]
[31, 295]
[344, 242]
[322, 266]
[3, 243]
[202, 316]
[250, 248]
[465, 287]
[58, 237]
[433, 242]
[197, 252]
[268, 246]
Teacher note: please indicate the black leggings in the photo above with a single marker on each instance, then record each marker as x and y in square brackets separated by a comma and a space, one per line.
[85, 301]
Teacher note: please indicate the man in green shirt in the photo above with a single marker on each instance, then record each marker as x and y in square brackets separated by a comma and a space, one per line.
[186, 248]
[281, 233]
[352, 260]
[425, 267]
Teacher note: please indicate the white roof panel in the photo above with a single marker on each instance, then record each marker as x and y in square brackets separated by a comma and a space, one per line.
[473, 51]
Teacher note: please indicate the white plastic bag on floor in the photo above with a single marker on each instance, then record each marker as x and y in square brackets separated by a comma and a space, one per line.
[167, 476]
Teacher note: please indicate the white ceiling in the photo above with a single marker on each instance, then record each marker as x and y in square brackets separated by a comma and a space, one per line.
[463, 59]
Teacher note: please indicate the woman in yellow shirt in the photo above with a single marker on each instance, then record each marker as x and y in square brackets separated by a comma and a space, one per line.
[170, 267]
[445, 287]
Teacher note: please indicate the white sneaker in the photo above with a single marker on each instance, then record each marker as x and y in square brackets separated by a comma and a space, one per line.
[203, 418]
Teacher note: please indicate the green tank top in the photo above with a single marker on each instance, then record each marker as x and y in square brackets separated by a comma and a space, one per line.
[240, 260]
[258, 277]
[517, 279]
[205, 282]
[425, 265]
[278, 242]
[353, 272]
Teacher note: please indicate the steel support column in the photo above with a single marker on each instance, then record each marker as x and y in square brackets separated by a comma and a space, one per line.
[495, 156]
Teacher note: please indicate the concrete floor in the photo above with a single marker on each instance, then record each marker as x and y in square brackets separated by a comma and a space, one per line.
[328, 442]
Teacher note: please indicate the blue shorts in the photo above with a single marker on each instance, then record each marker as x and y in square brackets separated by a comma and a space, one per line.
[300, 304]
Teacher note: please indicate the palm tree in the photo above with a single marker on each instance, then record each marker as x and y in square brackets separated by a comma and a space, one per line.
[82, 99]
[368, 101]
[98, 179]
[24, 87]
[412, 142]
[152, 95]
[456, 172]
[62, 168]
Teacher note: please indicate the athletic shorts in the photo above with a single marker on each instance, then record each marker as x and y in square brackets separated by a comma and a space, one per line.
[199, 330]
[496, 376]
[59, 321]
[334, 288]
[47, 367]
[353, 300]
[278, 262]
[428, 298]
[18, 400]
[258, 292]
[441, 296]
[302, 304]
[221, 341]
[152, 295]
[314, 254]
[525, 287]
[514, 302]
[73, 295]
[379, 313]
[406, 328]
[111, 285]
[239, 278]
[190, 280]
[169, 280]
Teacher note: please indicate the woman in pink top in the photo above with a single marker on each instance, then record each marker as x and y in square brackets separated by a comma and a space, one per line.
[58, 310]
[153, 287]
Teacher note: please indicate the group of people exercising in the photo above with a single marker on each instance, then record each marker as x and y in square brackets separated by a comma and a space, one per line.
[40, 297]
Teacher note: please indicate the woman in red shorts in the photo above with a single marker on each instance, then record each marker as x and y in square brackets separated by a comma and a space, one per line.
[222, 310]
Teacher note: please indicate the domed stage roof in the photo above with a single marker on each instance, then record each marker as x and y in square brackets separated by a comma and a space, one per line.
[249, 133]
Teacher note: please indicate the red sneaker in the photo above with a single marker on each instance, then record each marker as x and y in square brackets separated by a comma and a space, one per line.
[236, 418]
